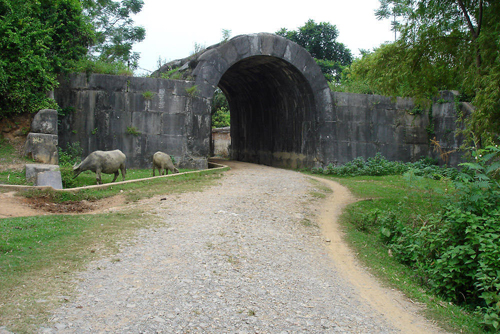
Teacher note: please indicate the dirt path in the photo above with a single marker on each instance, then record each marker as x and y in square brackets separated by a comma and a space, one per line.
[245, 256]
[398, 310]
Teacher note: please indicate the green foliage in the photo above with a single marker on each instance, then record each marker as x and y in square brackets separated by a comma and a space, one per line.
[172, 74]
[38, 41]
[148, 95]
[192, 91]
[319, 39]
[115, 30]
[226, 34]
[67, 159]
[378, 166]
[89, 65]
[443, 45]
[221, 118]
[456, 250]
[132, 130]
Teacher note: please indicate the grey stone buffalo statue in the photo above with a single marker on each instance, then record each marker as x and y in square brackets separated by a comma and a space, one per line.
[108, 162]
[162, 161]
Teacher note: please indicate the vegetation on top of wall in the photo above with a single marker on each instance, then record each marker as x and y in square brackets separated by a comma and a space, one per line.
[442, 45]
[90, 66]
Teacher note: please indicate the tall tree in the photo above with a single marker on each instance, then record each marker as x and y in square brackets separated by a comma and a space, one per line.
[320, 40]
[38, 41]
[115, 30]
[446, 44]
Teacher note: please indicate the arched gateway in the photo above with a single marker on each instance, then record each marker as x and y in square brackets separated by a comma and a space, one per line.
[282, 111]
[277, 96]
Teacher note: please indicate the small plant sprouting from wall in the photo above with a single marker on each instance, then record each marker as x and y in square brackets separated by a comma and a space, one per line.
[192, 91]
[417, 110]
[148, 95]
[132, 130]
[94, 131]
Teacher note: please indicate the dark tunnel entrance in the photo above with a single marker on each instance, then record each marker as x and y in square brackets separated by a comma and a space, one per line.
[272, 112]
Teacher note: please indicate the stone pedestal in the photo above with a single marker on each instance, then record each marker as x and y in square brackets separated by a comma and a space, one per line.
[42, 148]
[49, 178]
[32, 170]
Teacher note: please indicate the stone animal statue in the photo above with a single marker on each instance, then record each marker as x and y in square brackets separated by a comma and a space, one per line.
[162, 161]
[108, 162]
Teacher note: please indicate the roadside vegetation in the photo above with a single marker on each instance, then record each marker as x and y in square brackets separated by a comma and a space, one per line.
[39, 255]
[432, 232]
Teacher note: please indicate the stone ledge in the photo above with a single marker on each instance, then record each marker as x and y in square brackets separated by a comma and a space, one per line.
[32, 170]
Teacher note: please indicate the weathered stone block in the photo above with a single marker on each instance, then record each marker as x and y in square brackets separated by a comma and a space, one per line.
[42, 148]
[50, 178]
[32, 170]
[45, 121]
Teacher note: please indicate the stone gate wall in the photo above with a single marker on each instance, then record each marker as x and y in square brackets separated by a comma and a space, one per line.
[143, 115]
[366, 124]
[138, 116]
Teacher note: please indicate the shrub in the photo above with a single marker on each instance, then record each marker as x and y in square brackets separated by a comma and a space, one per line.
[457, 250]
[67, 159]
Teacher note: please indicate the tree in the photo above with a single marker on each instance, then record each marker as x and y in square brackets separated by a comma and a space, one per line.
[115, 30]
[447, 44]
[319, 39]
[38, 41]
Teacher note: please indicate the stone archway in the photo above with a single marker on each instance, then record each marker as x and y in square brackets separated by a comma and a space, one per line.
[277, 95]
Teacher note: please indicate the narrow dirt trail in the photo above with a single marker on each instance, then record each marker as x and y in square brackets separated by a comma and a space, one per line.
[249, 255]
[398, 310]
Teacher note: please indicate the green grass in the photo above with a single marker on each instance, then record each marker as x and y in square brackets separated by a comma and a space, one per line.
[87, 178]
[9, 155]
[411, 199]
[14, 177]
[133, 191]
[39, 255]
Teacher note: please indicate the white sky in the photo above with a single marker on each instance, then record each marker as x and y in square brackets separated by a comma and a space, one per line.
[173, 27]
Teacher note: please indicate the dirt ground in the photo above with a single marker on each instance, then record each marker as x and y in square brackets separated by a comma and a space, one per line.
[17, 206]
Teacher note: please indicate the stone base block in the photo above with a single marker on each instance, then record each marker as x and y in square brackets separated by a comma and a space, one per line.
[32, 170]
[49, 178]
[42, 148]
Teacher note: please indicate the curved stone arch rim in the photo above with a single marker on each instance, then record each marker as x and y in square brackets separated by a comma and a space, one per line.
[214, 62]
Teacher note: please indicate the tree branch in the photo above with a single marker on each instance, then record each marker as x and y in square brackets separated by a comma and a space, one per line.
[467, 18]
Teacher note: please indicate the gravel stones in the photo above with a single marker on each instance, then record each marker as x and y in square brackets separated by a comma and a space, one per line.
[232, 259]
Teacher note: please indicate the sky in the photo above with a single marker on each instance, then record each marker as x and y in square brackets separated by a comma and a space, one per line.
[173, 27]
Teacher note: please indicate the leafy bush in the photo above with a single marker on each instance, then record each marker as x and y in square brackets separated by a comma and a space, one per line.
[457, 250]
[67, 159]
[221, 118]
[88, 65]
[379, 166]
[40, 40]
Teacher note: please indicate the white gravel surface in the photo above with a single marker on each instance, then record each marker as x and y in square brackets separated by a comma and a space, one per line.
[240, 257]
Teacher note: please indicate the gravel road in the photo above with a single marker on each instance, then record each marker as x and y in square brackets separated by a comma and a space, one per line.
[244, 256]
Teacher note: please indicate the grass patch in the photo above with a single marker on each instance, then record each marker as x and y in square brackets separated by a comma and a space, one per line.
[10, 155]
[411, 199]
[87, 178]
[39, 255]
[14, 177]
[133, 191]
